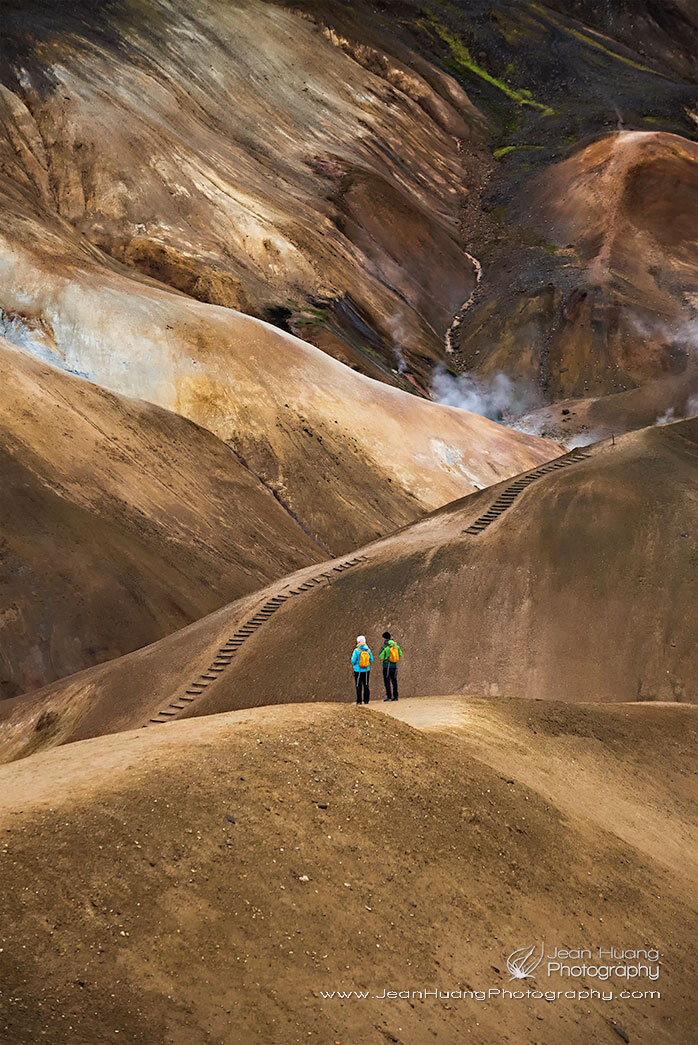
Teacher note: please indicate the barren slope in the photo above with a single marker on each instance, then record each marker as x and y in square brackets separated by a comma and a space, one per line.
[121, 522]
[665, 29]
[580, 586]
[204, 883]
[253, 159]
[321, 165]
[589, 759]
[144, 213]
[352, 458]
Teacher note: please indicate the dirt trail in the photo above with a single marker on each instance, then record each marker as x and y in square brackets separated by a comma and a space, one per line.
[460, 314]
[226, 654]
[458, 318]
[553, 545]
[428, 712]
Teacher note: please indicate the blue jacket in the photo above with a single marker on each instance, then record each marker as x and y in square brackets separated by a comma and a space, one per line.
[355, 658]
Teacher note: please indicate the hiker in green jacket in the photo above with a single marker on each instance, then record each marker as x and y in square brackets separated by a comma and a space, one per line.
[390, 655]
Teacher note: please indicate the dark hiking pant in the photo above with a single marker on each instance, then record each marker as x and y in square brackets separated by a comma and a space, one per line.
[361, 683]
[390, 679]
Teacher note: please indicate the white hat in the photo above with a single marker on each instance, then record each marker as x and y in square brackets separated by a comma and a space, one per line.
[360, 640]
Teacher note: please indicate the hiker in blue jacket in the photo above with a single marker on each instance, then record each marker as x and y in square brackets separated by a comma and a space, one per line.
[361, 661]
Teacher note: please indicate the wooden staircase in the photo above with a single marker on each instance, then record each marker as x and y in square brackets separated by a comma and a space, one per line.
[509, 495]
[228, 651]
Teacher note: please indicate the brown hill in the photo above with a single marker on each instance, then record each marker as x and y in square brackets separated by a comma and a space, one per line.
[350, 457]
[576, 585]
[618, 311]
[613, 314]
[206, 883]
[582, 421]
[338, 193]
[121, 522]
[82, 233]
[264, 163]
[143, 214]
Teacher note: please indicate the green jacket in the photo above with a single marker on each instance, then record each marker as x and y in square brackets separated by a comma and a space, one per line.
[385, 652]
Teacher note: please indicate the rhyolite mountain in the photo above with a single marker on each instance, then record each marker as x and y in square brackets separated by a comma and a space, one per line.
[348, 172]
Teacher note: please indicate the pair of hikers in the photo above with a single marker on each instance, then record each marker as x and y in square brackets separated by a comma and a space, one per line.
[361, 661]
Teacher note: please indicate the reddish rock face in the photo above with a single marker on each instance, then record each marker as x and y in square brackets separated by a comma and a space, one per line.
[615, 329]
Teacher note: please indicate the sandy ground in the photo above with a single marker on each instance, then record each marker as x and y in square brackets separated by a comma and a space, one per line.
[205, 883]
[497, 732]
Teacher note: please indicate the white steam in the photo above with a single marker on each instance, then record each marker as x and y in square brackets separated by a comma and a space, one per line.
[583, 439]
[667, 417]
[496, 397]
[399, 332]
[690, 410]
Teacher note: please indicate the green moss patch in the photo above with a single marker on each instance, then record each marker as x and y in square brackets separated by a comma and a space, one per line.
[464, 62]
[504, 150]
[590, 41]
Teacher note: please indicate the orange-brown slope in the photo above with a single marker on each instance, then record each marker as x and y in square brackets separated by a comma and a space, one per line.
[350, 457]
[614, 307]
[629, 203]
[584, 588]
[121, 522]
[205, 883]
[262, 163]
